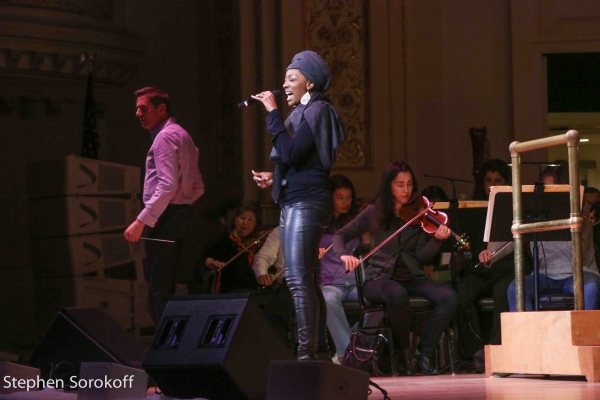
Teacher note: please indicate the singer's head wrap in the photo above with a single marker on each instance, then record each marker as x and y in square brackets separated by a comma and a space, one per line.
[314, 68]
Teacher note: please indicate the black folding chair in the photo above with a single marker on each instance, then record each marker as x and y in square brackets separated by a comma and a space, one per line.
[367, 308]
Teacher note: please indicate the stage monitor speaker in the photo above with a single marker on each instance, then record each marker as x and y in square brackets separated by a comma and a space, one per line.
[316, 380]
[79, 335]
[214, 347]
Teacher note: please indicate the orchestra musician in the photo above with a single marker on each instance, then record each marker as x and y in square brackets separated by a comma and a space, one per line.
[238, 276]
[304, 149]
[337, 286]
[395, 271]
[484, 282]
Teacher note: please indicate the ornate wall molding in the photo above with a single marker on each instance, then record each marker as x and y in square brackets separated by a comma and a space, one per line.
[338, 31]
[101, 10]
[44, 39]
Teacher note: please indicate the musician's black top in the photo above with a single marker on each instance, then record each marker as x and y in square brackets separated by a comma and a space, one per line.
[237, 276]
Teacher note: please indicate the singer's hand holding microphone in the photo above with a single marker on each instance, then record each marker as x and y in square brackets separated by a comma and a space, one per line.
[267, 98]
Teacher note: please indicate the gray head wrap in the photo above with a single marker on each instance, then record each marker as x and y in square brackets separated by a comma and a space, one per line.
[314, 68]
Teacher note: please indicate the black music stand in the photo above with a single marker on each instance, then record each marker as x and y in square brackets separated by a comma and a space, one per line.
[538, 205]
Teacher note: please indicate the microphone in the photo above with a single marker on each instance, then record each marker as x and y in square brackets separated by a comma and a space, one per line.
[251, 101]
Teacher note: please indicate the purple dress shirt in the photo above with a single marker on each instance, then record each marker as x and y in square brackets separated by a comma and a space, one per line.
[172, 174]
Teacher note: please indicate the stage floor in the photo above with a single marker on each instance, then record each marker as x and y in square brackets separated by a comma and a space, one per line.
[475, 386]
[446, 387]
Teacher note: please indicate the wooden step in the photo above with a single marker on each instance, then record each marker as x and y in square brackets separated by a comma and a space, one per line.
[547, 343]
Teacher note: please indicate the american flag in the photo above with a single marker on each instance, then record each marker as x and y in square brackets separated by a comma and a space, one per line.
[90, 143]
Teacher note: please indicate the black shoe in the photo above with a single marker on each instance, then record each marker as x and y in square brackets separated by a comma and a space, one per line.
[405, 364]
[479, 361]
[427, 365]
[324, 356]
[306, 355]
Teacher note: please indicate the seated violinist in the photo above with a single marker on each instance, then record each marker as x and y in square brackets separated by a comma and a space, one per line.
[491, 280]
[335, 285]
[268, 262]
[238, 275]
[395, 271]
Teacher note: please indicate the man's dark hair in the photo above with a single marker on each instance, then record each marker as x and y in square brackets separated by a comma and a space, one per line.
[156, 97]
[491, 165]
[591, 190]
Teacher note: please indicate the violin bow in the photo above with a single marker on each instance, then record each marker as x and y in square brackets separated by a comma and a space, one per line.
[393, 235]
[277, 274]
[493, 256]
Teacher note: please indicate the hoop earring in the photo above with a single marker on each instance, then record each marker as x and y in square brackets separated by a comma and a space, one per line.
[305, 99]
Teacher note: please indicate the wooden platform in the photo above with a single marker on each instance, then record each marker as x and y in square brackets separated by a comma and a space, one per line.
[547, 343]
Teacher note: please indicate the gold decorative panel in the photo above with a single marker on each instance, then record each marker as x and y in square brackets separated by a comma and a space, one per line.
[338, 31]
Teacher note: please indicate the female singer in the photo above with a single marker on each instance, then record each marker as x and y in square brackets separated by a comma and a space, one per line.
[395, 272]
[304, 147]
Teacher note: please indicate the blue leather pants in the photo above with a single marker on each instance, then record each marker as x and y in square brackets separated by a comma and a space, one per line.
[302, 225]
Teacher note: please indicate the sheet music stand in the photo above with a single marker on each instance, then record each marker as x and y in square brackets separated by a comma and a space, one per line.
[550, 204]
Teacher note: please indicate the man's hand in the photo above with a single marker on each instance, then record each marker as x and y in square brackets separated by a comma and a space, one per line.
[265, 280]
[134, 231]
[485, 256]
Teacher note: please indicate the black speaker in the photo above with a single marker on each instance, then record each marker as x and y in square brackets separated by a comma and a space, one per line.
[214, 347]
[79, 335]
[316, 380]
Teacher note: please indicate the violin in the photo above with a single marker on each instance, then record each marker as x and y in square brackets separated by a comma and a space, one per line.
[251, 243]
[430, 220]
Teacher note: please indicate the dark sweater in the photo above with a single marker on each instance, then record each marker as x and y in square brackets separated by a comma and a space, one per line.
[303, 175]
[238, 275]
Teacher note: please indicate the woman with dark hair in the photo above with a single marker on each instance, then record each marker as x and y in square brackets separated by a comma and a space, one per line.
[493, 172]
[557, 173]
[238, 276]
[304, 148]
[395, 272]
[337, 286]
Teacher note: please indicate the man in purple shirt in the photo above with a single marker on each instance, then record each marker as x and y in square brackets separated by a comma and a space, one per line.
[172, 183]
